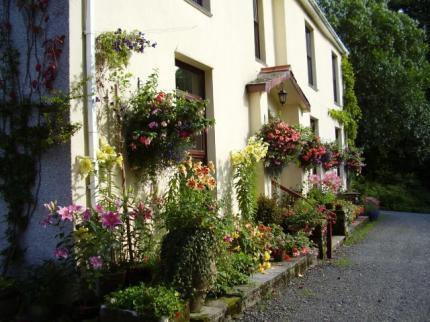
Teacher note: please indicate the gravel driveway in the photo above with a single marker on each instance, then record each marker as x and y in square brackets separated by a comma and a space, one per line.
[385, 277]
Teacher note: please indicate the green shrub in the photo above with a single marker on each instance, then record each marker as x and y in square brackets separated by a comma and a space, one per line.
[187, 256]
[268, 211]
[151, 302]
[404, 196]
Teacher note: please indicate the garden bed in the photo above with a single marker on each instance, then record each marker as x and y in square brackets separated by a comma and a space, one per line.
[263, 284]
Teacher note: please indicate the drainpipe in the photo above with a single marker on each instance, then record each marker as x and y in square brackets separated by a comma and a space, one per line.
[93, 136]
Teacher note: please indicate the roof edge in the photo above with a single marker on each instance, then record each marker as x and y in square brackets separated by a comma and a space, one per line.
[327, 24]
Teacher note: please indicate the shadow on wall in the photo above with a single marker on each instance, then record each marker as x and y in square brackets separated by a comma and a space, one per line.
[225, 187]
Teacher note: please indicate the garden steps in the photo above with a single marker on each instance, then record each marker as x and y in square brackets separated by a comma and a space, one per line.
[263, 284]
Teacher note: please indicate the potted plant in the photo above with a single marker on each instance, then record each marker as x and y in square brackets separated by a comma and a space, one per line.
[144, 303]
[278, 243]
[371, 207]
[189, 249]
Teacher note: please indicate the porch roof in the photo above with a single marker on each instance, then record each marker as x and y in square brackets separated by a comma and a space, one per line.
[270, 77]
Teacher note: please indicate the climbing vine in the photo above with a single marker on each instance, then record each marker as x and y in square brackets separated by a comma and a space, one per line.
[34, 115]
[351, 113]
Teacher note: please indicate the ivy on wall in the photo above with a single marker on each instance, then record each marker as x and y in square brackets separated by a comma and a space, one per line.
[351, 113]
[34, 115]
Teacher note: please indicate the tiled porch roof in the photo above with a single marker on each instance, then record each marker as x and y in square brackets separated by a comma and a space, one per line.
[270, 77]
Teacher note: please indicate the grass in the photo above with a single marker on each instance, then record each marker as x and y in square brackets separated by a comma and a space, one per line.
[342, 262]
[306, 292]
[360, 233]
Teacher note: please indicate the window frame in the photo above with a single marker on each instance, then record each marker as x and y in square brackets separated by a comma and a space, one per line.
[202, 5]
[335, 75]
[200, 154]
[310, 55]
[258, 22]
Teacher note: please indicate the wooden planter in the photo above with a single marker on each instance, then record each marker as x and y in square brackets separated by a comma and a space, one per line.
[340, 228]
[320, 240]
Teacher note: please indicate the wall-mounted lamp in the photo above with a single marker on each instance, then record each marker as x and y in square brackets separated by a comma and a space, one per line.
[282, 94]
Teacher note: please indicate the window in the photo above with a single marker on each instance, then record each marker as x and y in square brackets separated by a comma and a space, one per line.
[310, 56]
[338, 135]
[314, 126]
[202, 5]
[191, 80]
[335, 78]
[258, 30]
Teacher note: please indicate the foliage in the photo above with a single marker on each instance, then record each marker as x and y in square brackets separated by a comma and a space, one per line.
[268, 211]
[283, 141]
[44, 299]
[389, 55]
[351, 211]
[114, 49]
[159, 126]
[312, 151]
[403, 194]
[353, 158]
[34, 115]
[350, 115]
[187, 259]
[333, 157]
[189, 200]
[305, 216]
[103, 238]
[244, 166]
[371, 204]
[233, 268]
[150, 302]
[296, 244]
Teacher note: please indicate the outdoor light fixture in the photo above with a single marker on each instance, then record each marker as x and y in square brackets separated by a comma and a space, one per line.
[282, 96]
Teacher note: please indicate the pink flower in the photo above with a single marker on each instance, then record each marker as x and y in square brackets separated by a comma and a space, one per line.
[228, 239]
[110, 219]
[145, 140]
[51, 207]
[61, 252]
[133, 147]
[86, 215]
[314, 180]
[65, 213]
[99, 209]
[47, 221]
[153, 125]
[96, 262]
[155, 111]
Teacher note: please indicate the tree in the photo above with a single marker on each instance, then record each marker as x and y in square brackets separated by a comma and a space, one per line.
[388, 52]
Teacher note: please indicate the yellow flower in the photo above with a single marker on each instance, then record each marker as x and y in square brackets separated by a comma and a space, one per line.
[189, 162]
[235, 235]
[237, 248]
[261, 268]
[106, 148]
[182, 169]
[266, 256]
[211, 166]
[119, 160]
[267, 265]
[85, 166]
[101, 156]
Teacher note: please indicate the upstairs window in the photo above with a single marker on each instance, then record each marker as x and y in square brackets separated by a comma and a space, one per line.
[258, 30]
[191, 80]
[310, 57]
[335, 72]
[314, 126]
[202, 5]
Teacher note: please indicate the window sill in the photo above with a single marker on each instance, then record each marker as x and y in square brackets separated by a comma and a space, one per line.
[314, 87]
[337, 104]
[199, 7]
[260, 61]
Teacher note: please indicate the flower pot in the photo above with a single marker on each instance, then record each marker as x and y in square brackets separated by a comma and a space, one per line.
[278, 254]
[373, 214]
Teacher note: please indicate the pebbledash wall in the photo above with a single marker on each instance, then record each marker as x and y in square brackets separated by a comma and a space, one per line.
[218, 38]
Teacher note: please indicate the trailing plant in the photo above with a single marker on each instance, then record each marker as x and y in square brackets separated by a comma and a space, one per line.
[159, 127]
[244, 173]
[312, 150]
[354, 161]
[152, 303]
[350, 115]
[333, 157]
[34, 115]
[188, 259]
[284, 145]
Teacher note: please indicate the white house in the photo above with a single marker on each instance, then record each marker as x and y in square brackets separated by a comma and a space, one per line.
[237, 54]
